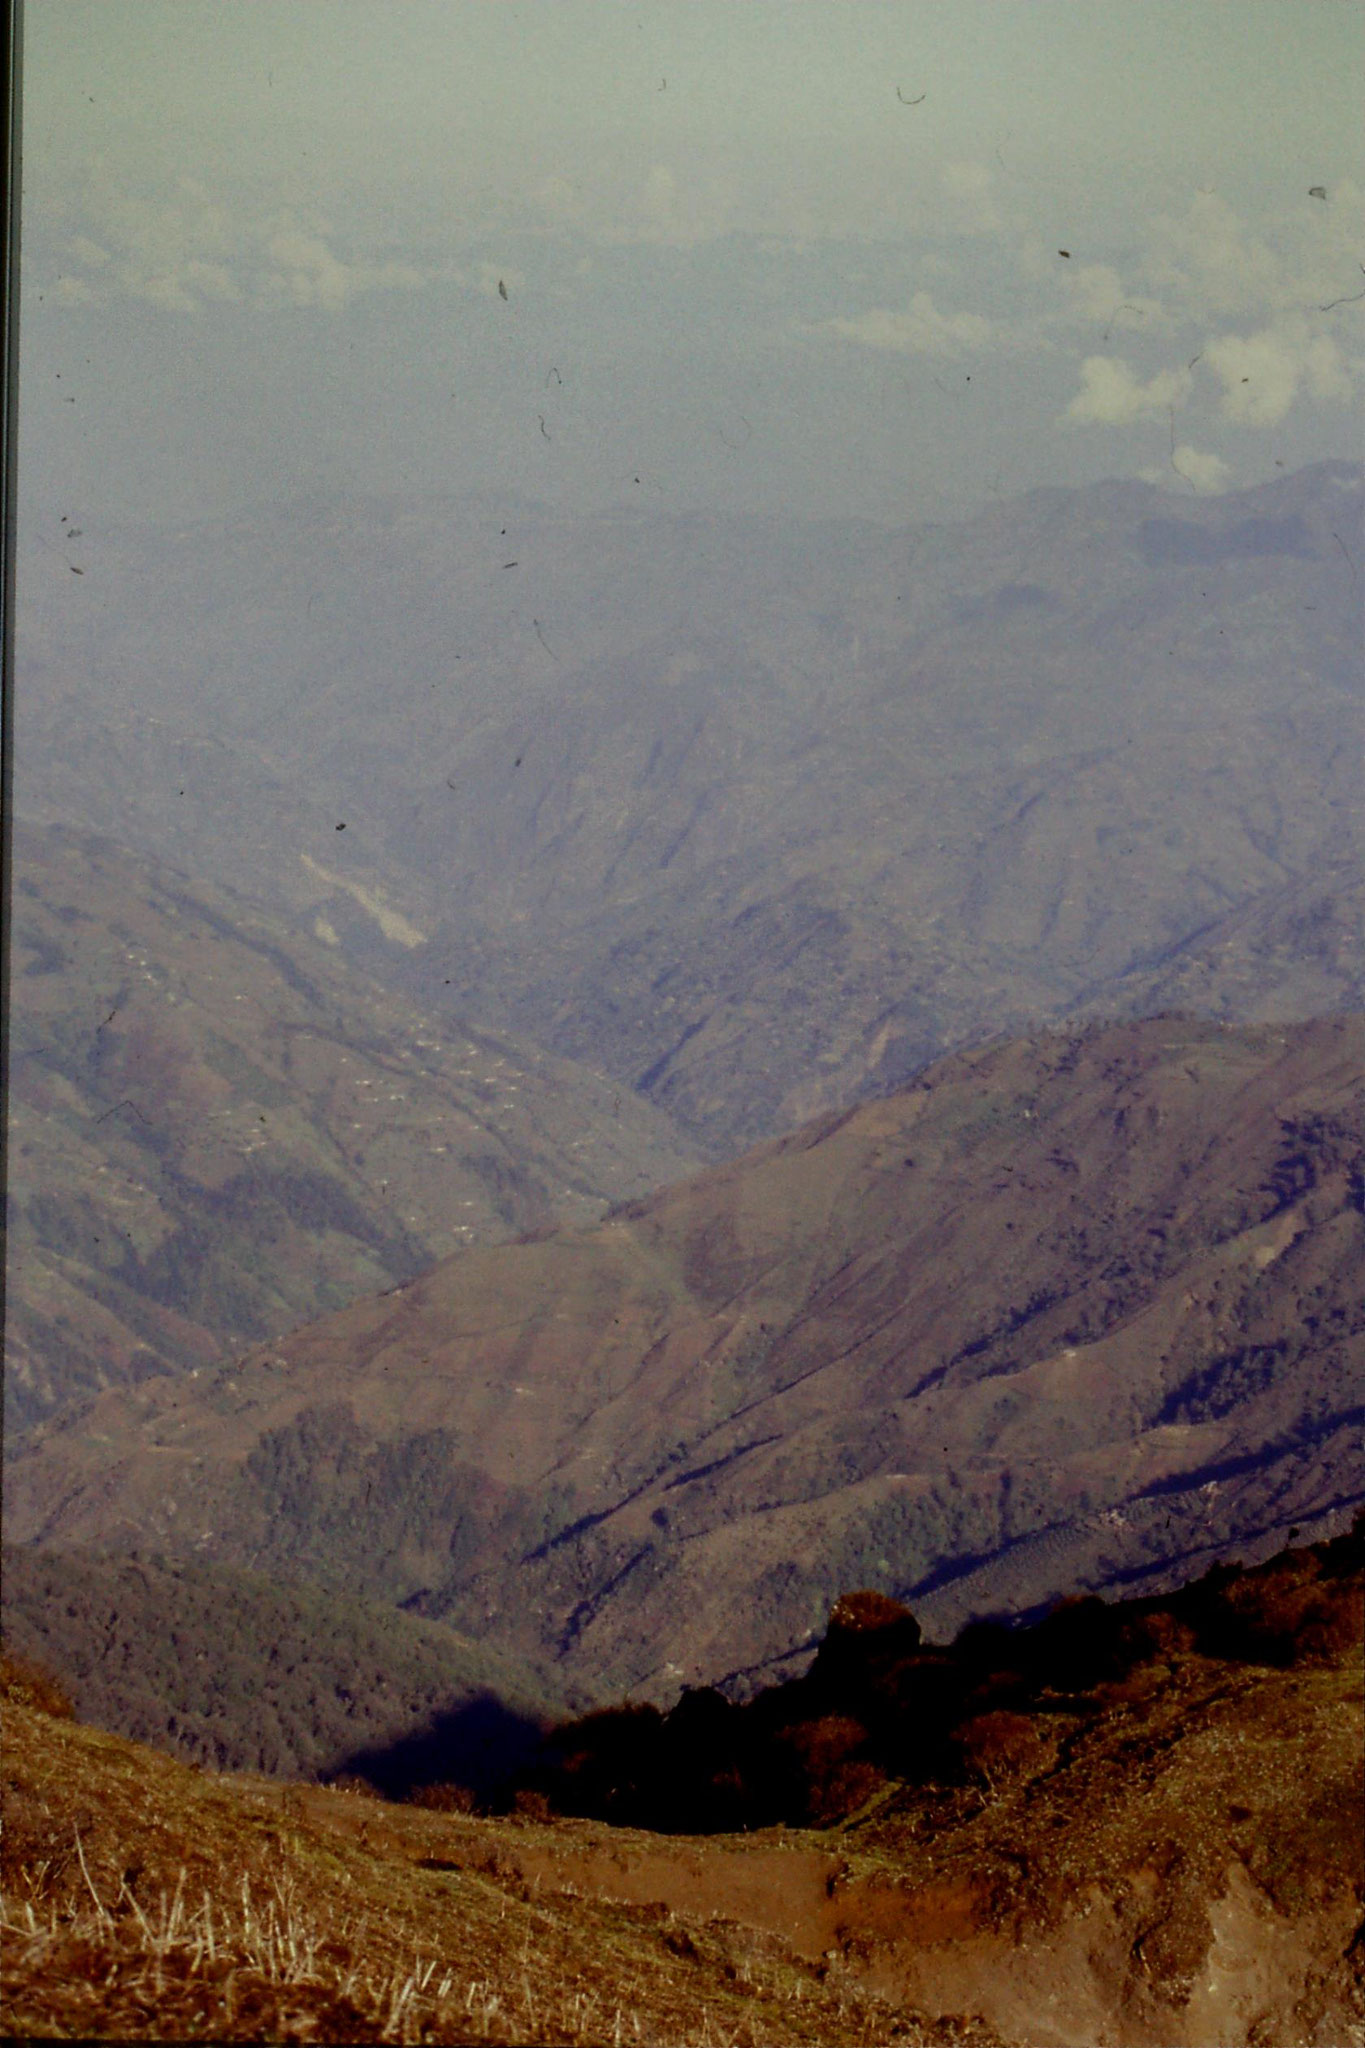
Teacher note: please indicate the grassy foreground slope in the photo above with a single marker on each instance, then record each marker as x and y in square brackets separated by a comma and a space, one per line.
[1166, 1855]
[145, 1900]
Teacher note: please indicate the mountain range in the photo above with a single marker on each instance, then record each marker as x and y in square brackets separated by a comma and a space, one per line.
[753, 816]
[220, 1128]
[1077, 1311]
[597, 1103]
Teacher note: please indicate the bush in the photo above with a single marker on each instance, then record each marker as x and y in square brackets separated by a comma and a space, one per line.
[350, 1781]
[702, 1716]
[1291, 1620]
[605, 1765]
[1077, 1645]
[25, 1682]
[834, 1772]
[1158, 1637]
[864, 1629]
[530, 1805]
[1001, 1746]
[443, 1798]
[1334, 1628]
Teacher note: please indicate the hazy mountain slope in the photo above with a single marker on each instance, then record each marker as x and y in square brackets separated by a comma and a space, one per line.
[1071, 1311]
[757, 816]
[221, 1128]
[231, 1670]
[1099, 724]
[1297, 951]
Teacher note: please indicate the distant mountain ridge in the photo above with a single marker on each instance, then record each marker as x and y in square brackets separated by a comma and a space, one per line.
[1080, 1310]
[757, 817]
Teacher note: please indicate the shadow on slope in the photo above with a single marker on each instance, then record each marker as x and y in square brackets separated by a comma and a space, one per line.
[239, 1672]
[880, 1709]
[463, 1755]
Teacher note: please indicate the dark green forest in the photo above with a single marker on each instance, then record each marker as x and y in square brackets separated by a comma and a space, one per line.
[237, 1672]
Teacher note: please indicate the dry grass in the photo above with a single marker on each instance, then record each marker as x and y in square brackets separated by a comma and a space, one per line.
[145, 1901]
[268, 1969]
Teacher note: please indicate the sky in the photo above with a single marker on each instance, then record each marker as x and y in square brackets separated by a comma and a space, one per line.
[773, 256]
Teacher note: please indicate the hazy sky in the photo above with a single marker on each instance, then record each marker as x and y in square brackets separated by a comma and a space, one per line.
[777, 257]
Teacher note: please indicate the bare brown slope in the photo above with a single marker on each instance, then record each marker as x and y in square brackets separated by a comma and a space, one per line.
[1145, 1827]
[1179, 1866]
[145, 1901]
[1073, 1311]
[220, 1131]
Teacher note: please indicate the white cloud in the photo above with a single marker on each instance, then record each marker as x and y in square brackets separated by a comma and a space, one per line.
[1198, 467]
[1263, 374]
[74, 291]
[89, 253]
[662, 210]
[185, 252]
[922, 330]
[1211, 265]
[303, 268]
[213, 280]
[166, 291]
[1113, 395]
[1211, 259]
[307, 270]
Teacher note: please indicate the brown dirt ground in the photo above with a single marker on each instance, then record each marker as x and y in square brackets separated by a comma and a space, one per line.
[1184, 1868]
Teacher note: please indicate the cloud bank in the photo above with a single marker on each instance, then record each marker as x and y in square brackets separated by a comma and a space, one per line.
[921, 330]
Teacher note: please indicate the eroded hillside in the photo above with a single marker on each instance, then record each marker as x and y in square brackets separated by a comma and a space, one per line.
[1070, 1312]
[221, 1129]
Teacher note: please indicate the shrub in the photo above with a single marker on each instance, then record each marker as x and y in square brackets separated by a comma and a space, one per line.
[1000, 1746]
[863, 1627]
[835, 1774]
[1158, 1637]
[25, 1682]
[530, 1805]
[1336, 1627]
[1077, 1644]
[987, 1645]
[701, 1716]
[869, 1613]
[991, 1689]
[443, 1798]
[351, 1781]
[1290, 1620]
[605, 1764]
